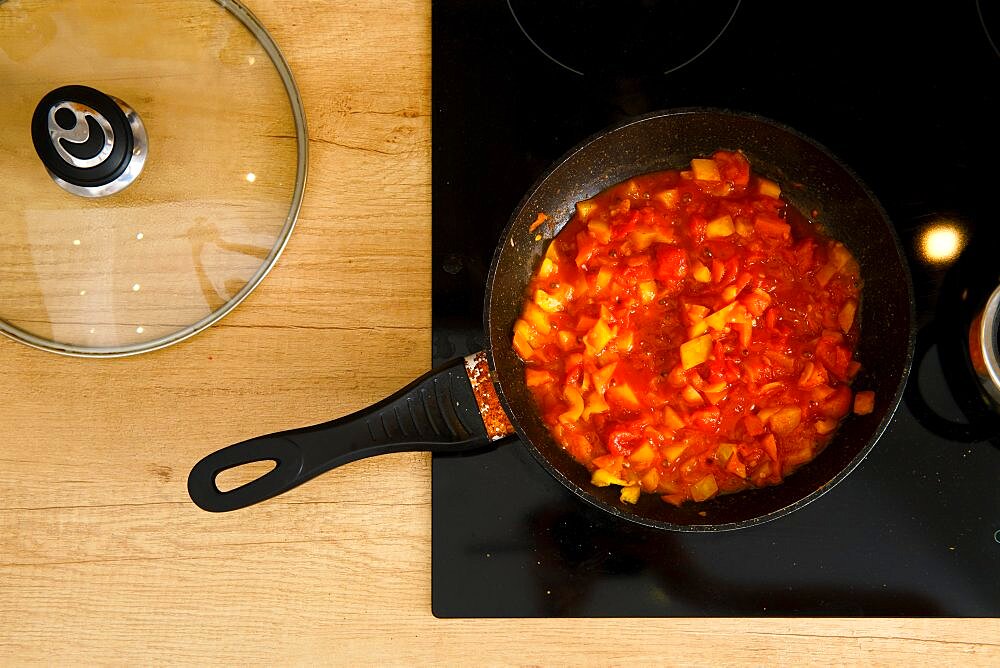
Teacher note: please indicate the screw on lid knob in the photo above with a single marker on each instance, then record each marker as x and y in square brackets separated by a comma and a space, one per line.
[92, 144]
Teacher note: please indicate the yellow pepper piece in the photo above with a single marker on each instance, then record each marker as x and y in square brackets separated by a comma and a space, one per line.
[768, 188]
[602, 478]
[785, 420]
[705, 169]
[647, 291]
[575, 409]
[538, 318]
[595, 404]
[585, 208]
[720, 227]
[701, 273]
[672, 419]
[598, 337]
[630, 494]
[670, 197]
[643, 456]
[704, 488]
[602, 377]
[672, 452]
[846, 316]
[695, 351]
[548, 302]
[720, 318]
[624, 394]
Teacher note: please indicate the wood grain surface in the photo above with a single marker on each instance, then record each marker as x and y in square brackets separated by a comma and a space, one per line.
[104, 559]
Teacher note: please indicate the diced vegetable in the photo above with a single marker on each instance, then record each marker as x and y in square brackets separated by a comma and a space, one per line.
[603, 278]
[785, 420]
[672, 419]
[770, 226]
[600, 230]
[673, 452]
[846, 316]
[548, 302]
[768, 188]
[598, 337]
[647, 291]
[721, 318]
[690, 395]
[536, 377]
[864, 402]
[705, 488]
[624, 395]
[575, 405]
[705, 169]
[521, 345]
[566, 339]
[671, 264]
[537, 318]
[731, 291]
[643, 456]
[539, 219]
[770, 446]
[695, 351]
[724, 452]
[700, 272]
[825, 273]
[839, 256]
[754, 425]
[585, 208]
[630, 494]
[756, 302]
[649, 480]
[720, 227]
[594, 405]
[601, 377]
[825, 426]
[736, 466]
[670, 197]
[602, 478]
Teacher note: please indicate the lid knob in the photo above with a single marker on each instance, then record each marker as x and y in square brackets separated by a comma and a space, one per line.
[92, 144]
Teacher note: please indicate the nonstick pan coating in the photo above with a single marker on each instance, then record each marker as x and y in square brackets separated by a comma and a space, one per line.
[813, 180]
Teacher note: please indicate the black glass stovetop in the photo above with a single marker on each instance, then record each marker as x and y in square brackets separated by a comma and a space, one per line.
[911, 102]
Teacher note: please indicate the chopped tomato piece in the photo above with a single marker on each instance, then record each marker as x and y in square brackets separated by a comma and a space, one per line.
[671, 264]
[771, 226]
[707, 419]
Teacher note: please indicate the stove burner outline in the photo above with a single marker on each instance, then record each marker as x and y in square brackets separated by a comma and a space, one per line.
[982, 22]
[687, 62]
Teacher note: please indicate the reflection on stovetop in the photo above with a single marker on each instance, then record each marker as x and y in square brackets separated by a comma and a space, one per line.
[910, 103]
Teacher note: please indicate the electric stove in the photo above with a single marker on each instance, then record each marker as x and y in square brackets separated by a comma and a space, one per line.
[910, 101]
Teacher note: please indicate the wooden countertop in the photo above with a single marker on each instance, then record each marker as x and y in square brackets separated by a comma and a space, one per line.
[104, 559]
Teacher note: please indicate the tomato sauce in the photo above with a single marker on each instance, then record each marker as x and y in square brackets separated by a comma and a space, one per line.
[688, 334]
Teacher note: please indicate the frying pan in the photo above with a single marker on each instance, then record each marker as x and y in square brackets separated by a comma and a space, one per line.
[439, 411]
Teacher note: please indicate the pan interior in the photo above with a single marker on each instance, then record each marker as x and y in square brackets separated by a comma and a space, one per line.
[813, 181]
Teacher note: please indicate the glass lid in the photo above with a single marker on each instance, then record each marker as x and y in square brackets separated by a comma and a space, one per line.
[153, 158]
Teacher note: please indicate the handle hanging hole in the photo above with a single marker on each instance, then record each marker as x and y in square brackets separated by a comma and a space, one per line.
[237, 476]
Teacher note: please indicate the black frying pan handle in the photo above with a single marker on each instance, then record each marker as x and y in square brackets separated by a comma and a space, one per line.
[436, 412]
